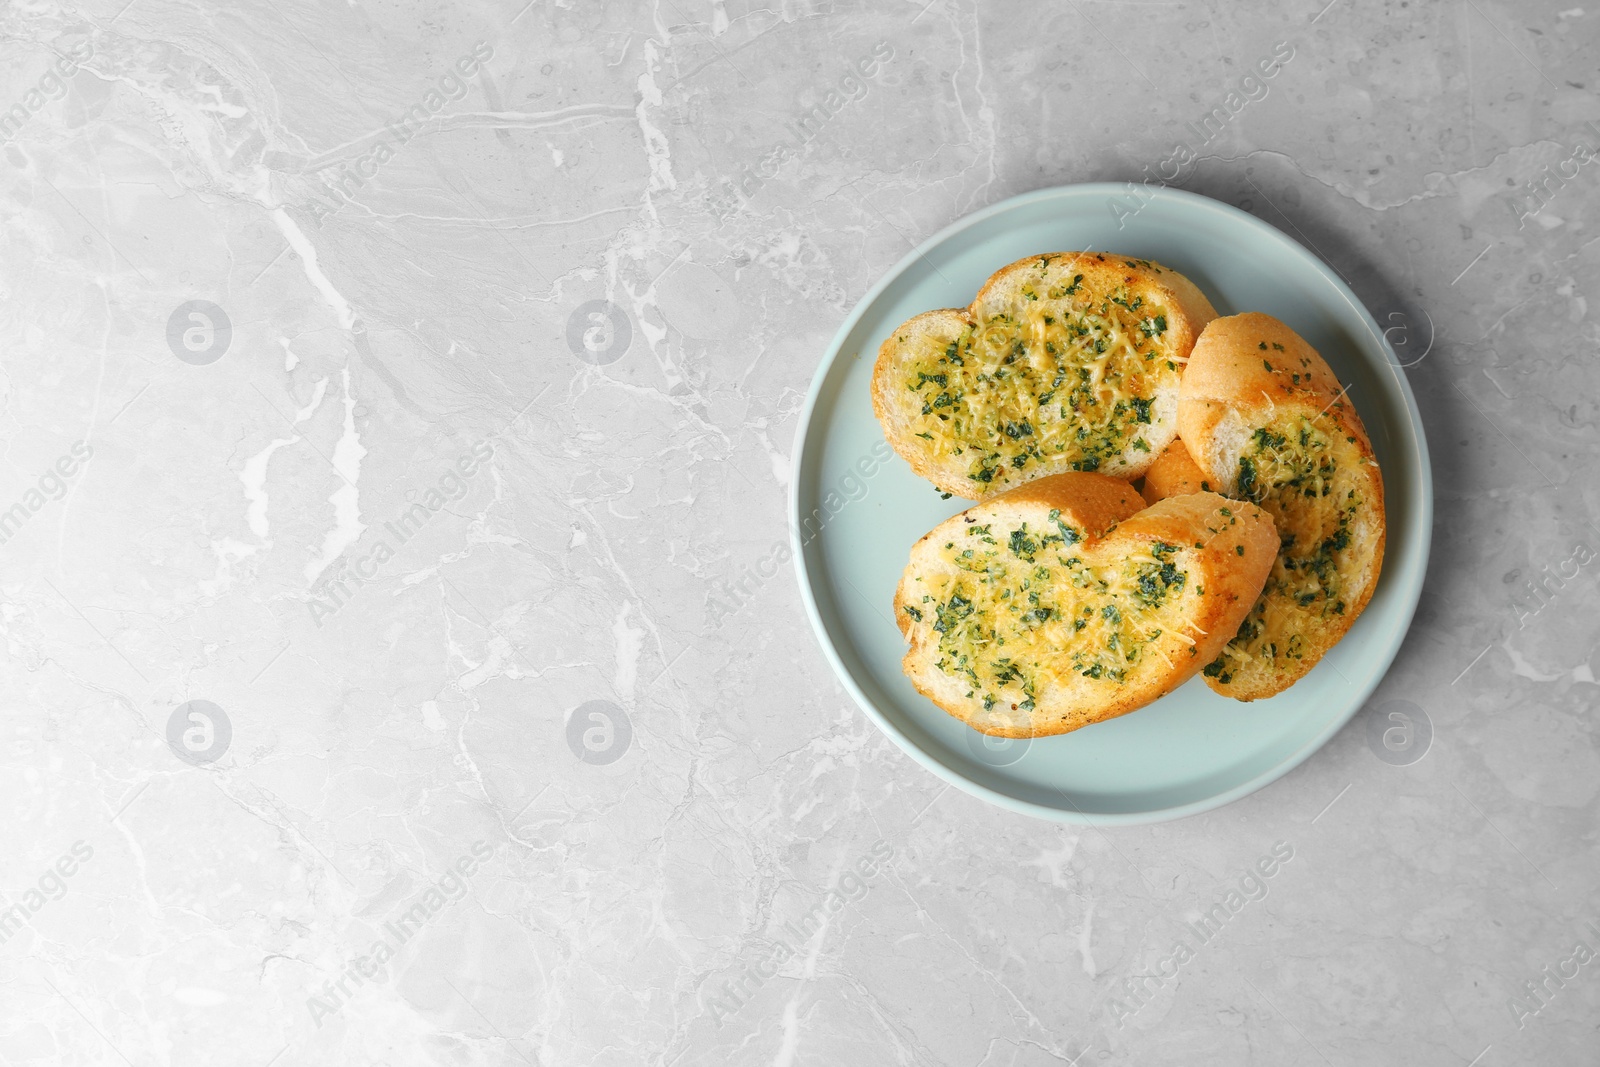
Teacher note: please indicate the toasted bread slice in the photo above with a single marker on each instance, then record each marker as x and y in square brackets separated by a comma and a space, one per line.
[1265, 420]
[1065, 361]
[1065, 601]
[1174, 473]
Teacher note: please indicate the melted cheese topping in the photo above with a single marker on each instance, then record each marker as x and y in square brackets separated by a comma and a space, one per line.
[1018, 609]
[1069, 375]
[1309, 479]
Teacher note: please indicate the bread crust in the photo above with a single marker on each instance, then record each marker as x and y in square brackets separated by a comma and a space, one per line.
[1174, 473]
[1227, 548]
[1233, 385]
[1188, 311]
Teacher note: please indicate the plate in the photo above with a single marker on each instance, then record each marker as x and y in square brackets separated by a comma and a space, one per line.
[856, 509]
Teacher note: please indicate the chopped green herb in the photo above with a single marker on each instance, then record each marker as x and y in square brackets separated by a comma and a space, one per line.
[1247, 478]
[1154, 326]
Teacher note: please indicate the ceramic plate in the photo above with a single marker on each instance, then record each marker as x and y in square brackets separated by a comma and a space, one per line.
[856, 509]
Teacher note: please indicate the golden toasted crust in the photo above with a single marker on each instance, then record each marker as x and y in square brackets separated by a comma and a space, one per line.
[898, 409]
[1174, 473]
[1103, 270]
[1224, 548]
[1246, 374]
[1234, 368]
[1091, 502]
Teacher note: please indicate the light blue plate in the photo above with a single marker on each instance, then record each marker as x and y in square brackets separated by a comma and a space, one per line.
[856, 509]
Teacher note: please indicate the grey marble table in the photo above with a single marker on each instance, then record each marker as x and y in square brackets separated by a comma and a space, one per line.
[399, 403]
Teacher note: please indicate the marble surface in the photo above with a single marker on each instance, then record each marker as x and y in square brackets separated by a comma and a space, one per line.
[399, 402]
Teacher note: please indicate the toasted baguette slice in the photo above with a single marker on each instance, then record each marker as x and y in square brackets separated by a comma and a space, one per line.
[1174, 473]
[1266, 421]
[1065, 601]
[1065, 361]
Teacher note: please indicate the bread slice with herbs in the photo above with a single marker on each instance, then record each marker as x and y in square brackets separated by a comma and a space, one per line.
[1063, 361]
[1066, 601]
[1266, 420]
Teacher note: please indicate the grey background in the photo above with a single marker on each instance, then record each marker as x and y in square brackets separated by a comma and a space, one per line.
[399, 701]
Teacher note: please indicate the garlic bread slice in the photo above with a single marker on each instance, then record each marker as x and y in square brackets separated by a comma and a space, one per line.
[1064, 361]
[1066, 601]
[1265, 419]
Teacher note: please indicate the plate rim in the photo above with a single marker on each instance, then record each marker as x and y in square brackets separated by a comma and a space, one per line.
[1410, 593]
